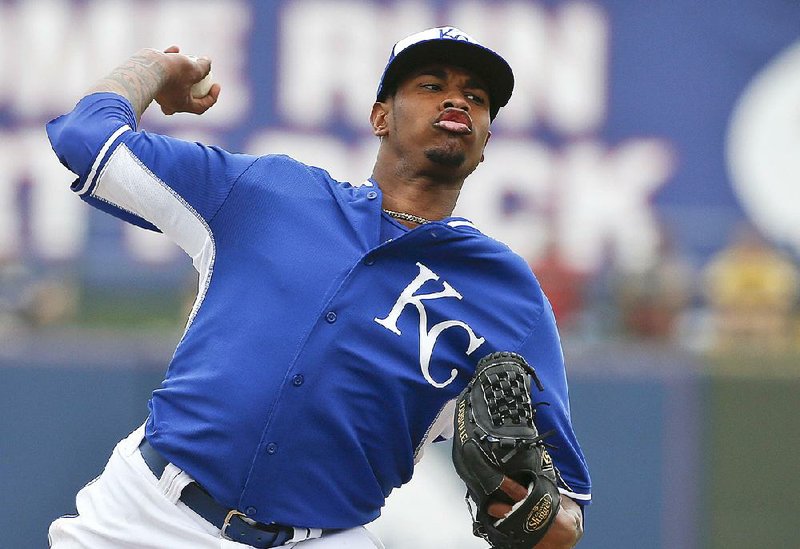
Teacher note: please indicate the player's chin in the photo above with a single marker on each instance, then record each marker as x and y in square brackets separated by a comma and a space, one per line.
[446, 156]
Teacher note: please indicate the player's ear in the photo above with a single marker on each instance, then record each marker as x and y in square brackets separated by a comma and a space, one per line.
[378, 119]
[488, 135]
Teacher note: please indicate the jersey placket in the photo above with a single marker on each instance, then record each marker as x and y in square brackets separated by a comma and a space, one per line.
[270, 463]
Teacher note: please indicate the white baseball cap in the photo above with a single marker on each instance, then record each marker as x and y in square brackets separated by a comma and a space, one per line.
[453, 46]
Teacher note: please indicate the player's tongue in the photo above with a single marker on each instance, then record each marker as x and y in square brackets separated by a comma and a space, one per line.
[457, 127]
[456, 121]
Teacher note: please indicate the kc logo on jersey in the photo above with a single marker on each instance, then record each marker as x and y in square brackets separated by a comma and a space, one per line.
[427, 337]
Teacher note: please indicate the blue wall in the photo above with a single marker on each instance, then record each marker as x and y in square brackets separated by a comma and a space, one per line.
[61, 420]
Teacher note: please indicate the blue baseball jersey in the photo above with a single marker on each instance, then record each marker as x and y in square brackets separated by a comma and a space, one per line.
[327, 342]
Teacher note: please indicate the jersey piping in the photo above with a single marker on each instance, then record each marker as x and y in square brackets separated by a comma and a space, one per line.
[87, 184]
[168, 211]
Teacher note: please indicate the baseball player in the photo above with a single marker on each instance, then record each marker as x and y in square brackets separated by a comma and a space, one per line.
[334, 324]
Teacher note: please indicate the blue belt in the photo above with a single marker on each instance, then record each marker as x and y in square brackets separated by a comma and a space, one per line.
[231, 523]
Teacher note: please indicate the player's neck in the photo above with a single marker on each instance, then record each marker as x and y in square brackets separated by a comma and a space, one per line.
[428, 197]
[430, 204]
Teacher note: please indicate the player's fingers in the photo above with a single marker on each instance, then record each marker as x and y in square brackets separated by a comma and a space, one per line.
[204, 63]
[202, 104]
[498, 509]
[513, 489]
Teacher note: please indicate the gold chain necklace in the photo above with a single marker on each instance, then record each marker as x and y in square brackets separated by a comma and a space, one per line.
[407, 217]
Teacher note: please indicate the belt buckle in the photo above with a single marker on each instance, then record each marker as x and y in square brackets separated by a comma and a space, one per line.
[227, 522]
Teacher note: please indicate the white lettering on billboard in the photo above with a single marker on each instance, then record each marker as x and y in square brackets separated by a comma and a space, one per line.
[581, 193]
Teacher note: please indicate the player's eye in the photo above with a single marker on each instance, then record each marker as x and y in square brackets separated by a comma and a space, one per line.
[431, 86]
[475, 97]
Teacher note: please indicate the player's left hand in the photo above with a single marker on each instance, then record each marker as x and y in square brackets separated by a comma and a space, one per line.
[567, 528]
[500, 455]
[181, 73]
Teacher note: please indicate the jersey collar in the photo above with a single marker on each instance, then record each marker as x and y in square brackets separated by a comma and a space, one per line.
[452, 221]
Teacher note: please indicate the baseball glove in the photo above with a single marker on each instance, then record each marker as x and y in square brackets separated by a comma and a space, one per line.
[496, 437]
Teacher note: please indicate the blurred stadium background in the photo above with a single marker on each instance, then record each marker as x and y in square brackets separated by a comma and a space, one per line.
[648, 167]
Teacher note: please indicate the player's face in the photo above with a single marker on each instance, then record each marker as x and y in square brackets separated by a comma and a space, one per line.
[439, 116]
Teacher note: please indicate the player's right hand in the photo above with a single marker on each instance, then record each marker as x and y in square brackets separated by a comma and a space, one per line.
[181, 72]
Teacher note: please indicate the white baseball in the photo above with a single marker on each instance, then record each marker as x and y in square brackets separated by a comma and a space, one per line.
[202, 88]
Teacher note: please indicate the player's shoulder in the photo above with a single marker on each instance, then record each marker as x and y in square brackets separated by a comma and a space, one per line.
[288, 172]
[288, 164]
[496, 250]
[495, 259]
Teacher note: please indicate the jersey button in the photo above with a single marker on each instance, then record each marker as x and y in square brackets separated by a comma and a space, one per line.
[298, 380]
[250, 511]
[271, 449]
[372, 195]
[330, 317]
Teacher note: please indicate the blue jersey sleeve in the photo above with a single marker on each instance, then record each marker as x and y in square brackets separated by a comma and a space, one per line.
[147, 179]
[542, 349]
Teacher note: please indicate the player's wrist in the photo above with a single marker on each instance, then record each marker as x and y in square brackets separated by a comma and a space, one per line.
[566, 530]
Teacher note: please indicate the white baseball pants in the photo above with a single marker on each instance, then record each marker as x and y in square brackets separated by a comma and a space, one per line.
[127, 507]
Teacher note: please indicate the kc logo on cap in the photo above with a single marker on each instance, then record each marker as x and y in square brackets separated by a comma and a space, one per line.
[439, 33]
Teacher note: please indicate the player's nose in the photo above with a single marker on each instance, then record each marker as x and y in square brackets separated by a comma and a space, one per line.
[455, 100]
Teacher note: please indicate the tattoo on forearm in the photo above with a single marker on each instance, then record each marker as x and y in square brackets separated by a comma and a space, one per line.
[139, 79]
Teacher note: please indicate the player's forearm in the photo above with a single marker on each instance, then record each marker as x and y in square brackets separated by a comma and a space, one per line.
[139, 79]
[567, 529]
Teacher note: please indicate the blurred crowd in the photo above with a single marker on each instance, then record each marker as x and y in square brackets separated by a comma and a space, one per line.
[34, 297]
[744, 299]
